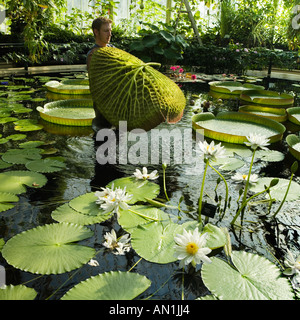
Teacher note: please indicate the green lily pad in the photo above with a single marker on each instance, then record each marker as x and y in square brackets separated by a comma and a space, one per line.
[27, 125]
[2, 243]
[15, 181]
[58, 87]
[277, 114]
[278, 191]
[140, 189]
[294, 115]
[31, 144]
[140, 215]
[7, 120]
[253, 277]
[266, 97]
[86, 204]
[293, 142]
[19, 292]
[4, 165]
[65, 213]
[21, 156]
[155, 241]
[16, 137]
[7, 200]
[232, 87]
[49, 249]
[234, 127]
[114, 285]
[3, 140]
[45, 165]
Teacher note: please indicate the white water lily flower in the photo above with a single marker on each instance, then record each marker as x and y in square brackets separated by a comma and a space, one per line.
[240, 178]
[118, 246]
[190, 248]
[144, 175]
[256, 140]
[211, 151]
[112, 200]
[293, 266]
[93, 263]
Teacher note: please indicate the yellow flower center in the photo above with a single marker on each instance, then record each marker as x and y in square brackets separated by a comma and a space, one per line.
[192, 248]
[244, 176]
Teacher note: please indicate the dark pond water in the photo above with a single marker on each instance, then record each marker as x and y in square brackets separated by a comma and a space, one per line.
[77, 145]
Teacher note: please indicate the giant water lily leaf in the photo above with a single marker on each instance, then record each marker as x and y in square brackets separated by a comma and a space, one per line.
[155, 241]
[141, 190]
[7, 201]
[21, 156]
[278, 191]
[49, 249]
[234, 127]
[71, 89]
[294, 115]
[114, 285]
[232, 87]
[277, 114]
[267, 97]
[19, 292]
[253, 277]
[140, 215]
[65, 213]
[293, 142]
[123, 87]
[15, 181]
[45, 165]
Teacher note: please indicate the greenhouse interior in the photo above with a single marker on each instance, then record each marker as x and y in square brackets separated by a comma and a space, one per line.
[149, 151]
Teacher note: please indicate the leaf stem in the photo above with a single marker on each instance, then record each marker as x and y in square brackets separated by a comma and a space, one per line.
[201, 192]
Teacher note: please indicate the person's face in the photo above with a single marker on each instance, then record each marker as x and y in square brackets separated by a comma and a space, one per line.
[104, 34]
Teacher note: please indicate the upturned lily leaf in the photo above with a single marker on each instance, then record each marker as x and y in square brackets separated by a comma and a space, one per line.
[294, 115]
[141, 190]
[234, 127]
[293, 142]
[253, 277]
[115, 285]
[65, 213]
[278, 191]
[232, 87]
[15, 181]
[21, 156]
[49, 249]
[19, 292]
[123, 87]
[45, 165]
[7, 200]
[267, 97]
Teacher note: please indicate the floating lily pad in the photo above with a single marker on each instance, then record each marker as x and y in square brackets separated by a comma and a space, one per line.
[294, 115]
[16, 137]
[266, 97]
[140, 215]
[74, 112]
[278, 191]
[140, 189]
[86, 204]
[4, 165]
[31, 144]
[27, 125]
[19, 292]
[114, 285]
[7, 201]
[234, 127]
[252, 278]
[155, 242]
[15, 181]
[277, 114]
[59, 87]
[7, 120]
[49, 249]
[293, 142]
[21, 156]
[45, 165]
[65, 213]
[232, 87]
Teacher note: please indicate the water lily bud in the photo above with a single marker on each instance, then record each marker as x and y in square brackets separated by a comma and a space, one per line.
[274, 182]
[164, 166]
[294, 167]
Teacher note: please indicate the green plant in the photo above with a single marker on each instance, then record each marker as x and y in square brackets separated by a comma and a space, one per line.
[158, 45]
